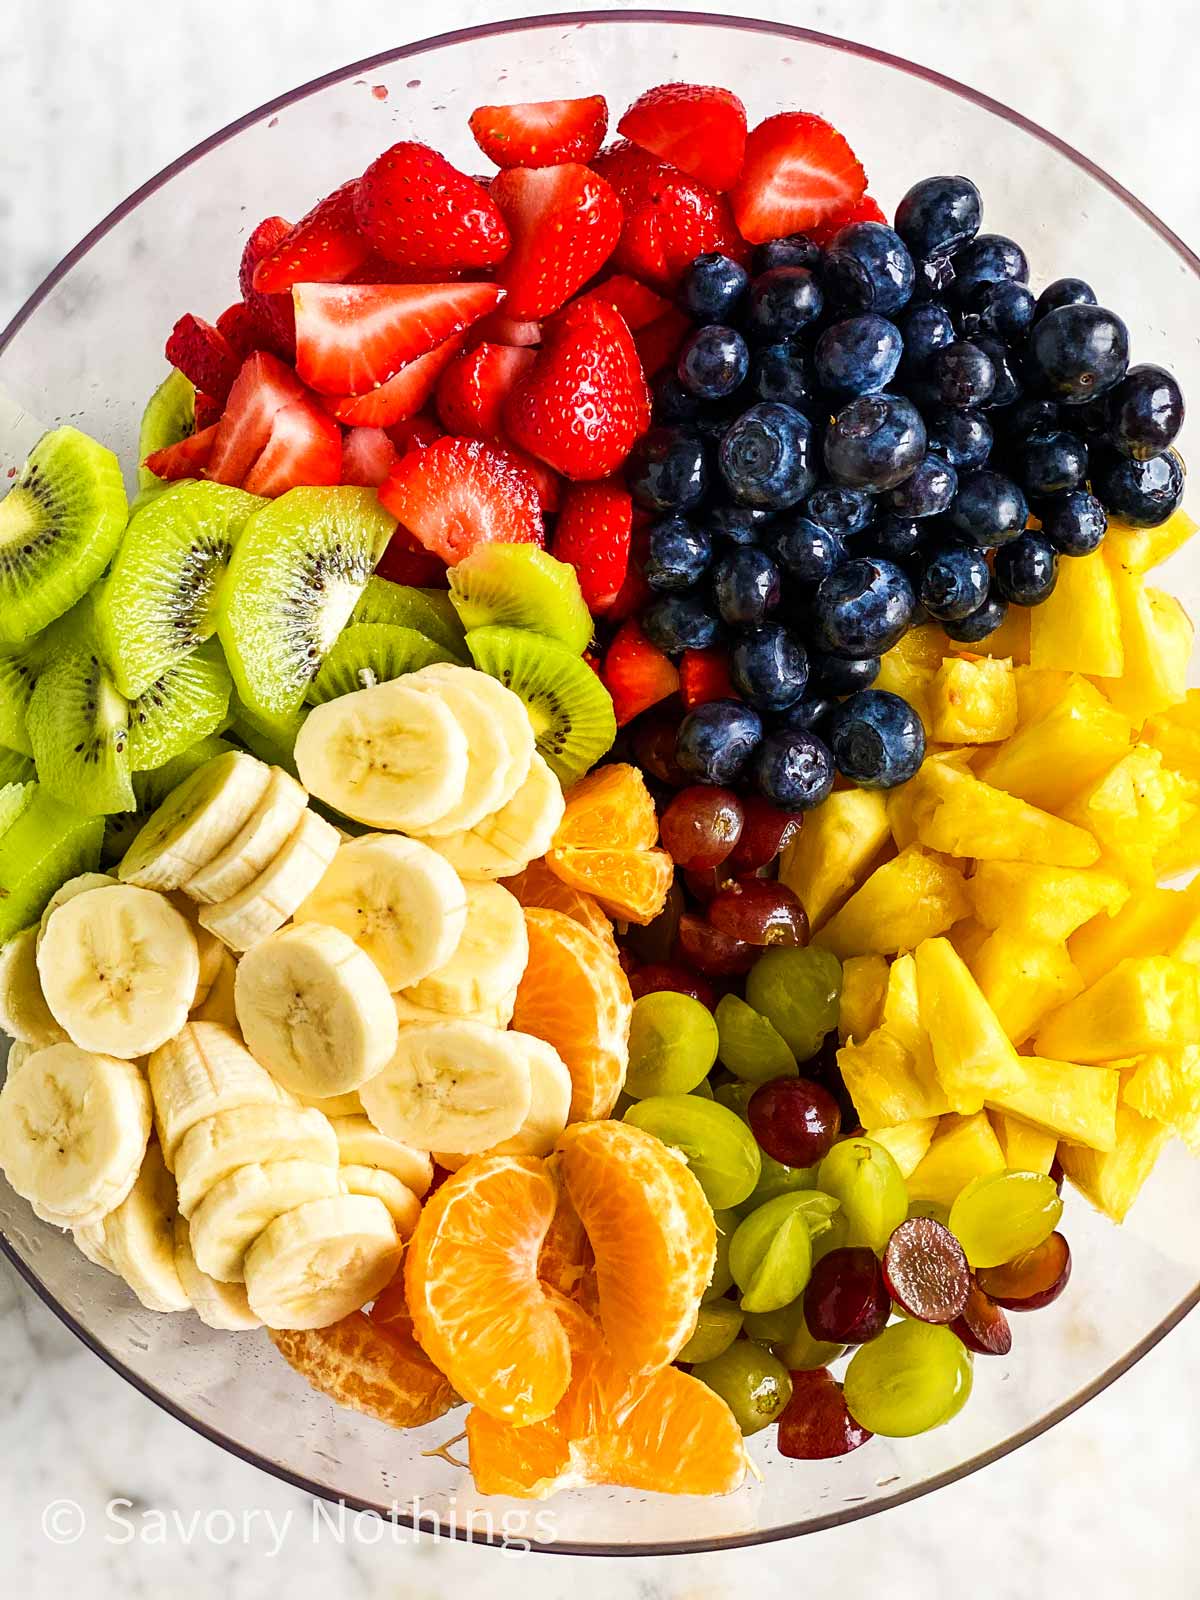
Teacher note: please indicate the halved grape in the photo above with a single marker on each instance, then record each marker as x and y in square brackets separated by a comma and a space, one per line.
[1003, 1214]
[653, 941]
[765, 832]
[983, 1327]
[926, 1270]
[771, 1253]
[718, 1146]
[750, 1046]
[701, 826]
[774, 1179]
[670, 975]
[761, 911]
[914, 1377]
[802, 1352]
[930, 1208]
[672, 1044]
[816, 1424]
[736, 1096]
[711, 952]
[753, 1383]
[722, 1279]
[1031, 1280]
[847, 1301]
[774, 1328]
[704, 1089]
[798, 992]
[717, 1326]
[795, 1120]
[865, 1178]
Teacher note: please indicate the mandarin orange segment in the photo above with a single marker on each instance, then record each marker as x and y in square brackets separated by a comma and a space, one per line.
[631, 885]
[371, 1366]
[652, 1232]
[575, 995]
[538, 886]
[471, 1280]
[609, 809]
[566, 1260]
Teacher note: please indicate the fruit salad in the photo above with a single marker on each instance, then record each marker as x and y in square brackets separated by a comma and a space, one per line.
[604, 834]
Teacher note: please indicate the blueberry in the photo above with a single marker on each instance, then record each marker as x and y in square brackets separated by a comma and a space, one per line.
[1075, 523]
[989, 509]
[672, 402]
[769, 667]
[805, 550]
[963, 374]
[1008, 387]
[863, 608]
[746, 586]
[989, 258]
[877, 739]
[1145, 412]
[1063, 292]
[783, 302]
[875, 442]
[1026, 570]
[713, 362]
[963, 438]
[680, 622]
[843, 511]
[927, 491]
[925, 328]
[738, 524]
[716, 740]
[894, 536]
[1080, 351]
[1004, 310]
[679, 555]
[712, 288]
[810, 712]
[954, 583]
[767, 456]
[868, 266]
[667, 470]
[796, 250]
[794, 770]
[780, 372]
[1143, 492]
[934, 277]
[1032, 416]
[975, 628]
[840, 675]
[858, 356]
[1051, 463]
[939, 215]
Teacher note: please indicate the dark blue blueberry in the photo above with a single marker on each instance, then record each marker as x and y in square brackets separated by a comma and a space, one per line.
[807, 713]
[939, 215]
[963, 438]
[1075, 523]
[1063, 292]
[1051, 463]
[780, 372]
[1026, 570]
[712, 288]
[1143, 492]
[667, 470]
[989, 509]
[783, 302]
[840, 675]
[672, 402]
[1032, 416]
[863, 608]
[894, 536]
[716, 740]
[1008, 387]
[875, 442]
[925, 328]
[934, 277]
[767, 457]
[794, 770]
[977, 627]
[989, 258]
[858, 356]
[868, 266]
[963, 375]
[877, 739]
[1080, 351]
[1145, 412]
[769, 667]
[679, 555]
[954, 582]
[680, 622]
[927, 491]
[806, 551]
[841, 510]
[1004, 310]
[738, 524]
[746, 586]
[796, 250]
[713, 362]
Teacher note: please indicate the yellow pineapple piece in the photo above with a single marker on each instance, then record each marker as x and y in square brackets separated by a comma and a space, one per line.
[1043, 902]
[1140, 549]
[1166, 1087]
[1176, 735]
[907, 1142]
[1024, 979]
[1112, 1179]
[1079, 628]
[1049, 761]
[1135, 812]
[963, 1148]
[902, 802]
[956, 813]
[1182, 852]
[1144, 1004]
[1039, 690]
[907, 899]
[1155, 922]
[972, 702]
[864, 984]
[1011, 639]
[830, 855]
[1026, 1148]
[883, 1080]
[968, 937]
[973, 1056]
[1070, 1101]
[1157, 635]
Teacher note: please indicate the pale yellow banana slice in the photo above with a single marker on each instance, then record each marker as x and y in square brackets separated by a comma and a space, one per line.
[269, 901]
[119, 967]
[69, 890]
[139, 1236]
[489, 961]
[316, 1264]
[235, 1211]
[389, 756]
[209, 949]
[360, 1144]
[245, 1136]
[504, 843]
[549, 1105]
[90, 1241]
[24, 1014]
[334, 1105]
[218, 1305]
[252, 849]
[403, 1206]
[499, 740]
[451, 1086]
[205, 1069]
[196, 821]
[19, 1051]
[497, 1016]
[314, 1010]
[218, 1004]
[73, 1131]
[397, 899]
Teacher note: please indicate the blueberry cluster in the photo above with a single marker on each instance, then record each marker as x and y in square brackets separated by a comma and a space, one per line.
[851, 442]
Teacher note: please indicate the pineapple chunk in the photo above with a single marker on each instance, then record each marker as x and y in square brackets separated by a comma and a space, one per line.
[963, 1148]
[1011, 638]
[1024, 979]
[1112, 1179]
[1140, 549]
[1144, 1004]
[956, 813]
[907, 1142]
[1078, 629]
[902, 801]
[908, 668]
[902, 1015]
[883, 1080]
[1026, 1148]
[1182, 853]
[1039, 690]
[1069, 1101]
[830, 855]
[864, 984]
[1157, 635]
[1043, 902]
[1049, 761]
[904, 901]
[973, 1057]
[1176, 735]
[972, 702]
[968, 937]
[1165, 1086]
[1135, 812]
[1156, 922]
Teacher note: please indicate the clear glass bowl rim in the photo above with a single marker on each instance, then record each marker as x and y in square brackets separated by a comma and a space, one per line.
[516, 25]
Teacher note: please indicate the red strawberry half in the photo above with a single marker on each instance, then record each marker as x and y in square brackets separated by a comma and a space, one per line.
[241, 327]
[541, 133]
[413, 433]
[595, 525]
[203, 354]
[460, 493]
[187, 459]
[658, 343]
[419, 211]
[497, 328]
[564, 222]
[798, 172]
[704, 676]
[636, 673]
[207, 411]
[472, 390]
[324, 247]
[670, 218]
[638, 305]
[262, 387]
[272, 313]
[368, 455]
[406, 560]
[304, 447]
[864, 210]
[701, 130]
[400, 397]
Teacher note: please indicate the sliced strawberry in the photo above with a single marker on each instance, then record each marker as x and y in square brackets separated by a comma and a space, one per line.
[565, 222]
[699, 129]
[497, 328]
[670, 218]
[419, 211]
[325, 246]
[634, 595]
[378, 269]
[413, 433]
[400, 397]
[636, 674]
[203, 354]
[241, 327]
[304, 448]
[658, 344]
[547, 484]
[460, 493]
[206, 412]
[864, 210]
[187, 459]
[541, 133]
[351, 338]
[472, 390]
[593, 534]
[585, 400]
[262, 387]
[638, 305]
[368, 455]
[798, 171]
[703, 676]
[406, 560]
[272, 313]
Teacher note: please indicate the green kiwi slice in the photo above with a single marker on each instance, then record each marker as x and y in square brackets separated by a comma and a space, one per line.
[44, 845]
[150, 790]
[15, 768]
[188, 702]
[297, 573]
[160, 599]
[170, 416]
[271, 739]
[404, 607]
[14, 797]
[59, 525]
[571, 710]
[79, 727]
[372, 652]
[520, 586]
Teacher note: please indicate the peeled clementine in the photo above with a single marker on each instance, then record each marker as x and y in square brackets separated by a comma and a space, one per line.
[374, 1367]
[631, 885]
[538, 886]
[609, 809]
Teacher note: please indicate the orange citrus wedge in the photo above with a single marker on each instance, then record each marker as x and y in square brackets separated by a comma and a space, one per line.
[631, 885]
[537, 886]
[566, 1263]
[374, 1367]
[609, 809]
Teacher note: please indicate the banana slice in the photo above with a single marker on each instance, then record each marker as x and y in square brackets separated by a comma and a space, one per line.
[360, 1144]
[397, 899]
[235, 1211]
[314, 1010]
[549, 1105]
[451, 1086]
[24, 1014]
[504, 843]
[69, 890]
[90, 1240]
[390, 756]
[334, 1105]
[73, 1131]
[212, 956]
[218, 1305]
[251, 850]
[316, 1264]
[218, 1004]
[196, 821]
[497, 1016]
[403, 1206]
[205, 1069]
[119, 967]
[20, 1052]
[140, 1238]
[489, 961]
[243, 1137]
[269, 901]
[499, 740]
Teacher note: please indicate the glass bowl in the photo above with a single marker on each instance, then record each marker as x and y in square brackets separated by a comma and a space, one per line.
[86, 348]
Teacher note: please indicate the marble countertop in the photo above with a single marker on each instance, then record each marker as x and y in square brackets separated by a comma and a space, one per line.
[96, 99]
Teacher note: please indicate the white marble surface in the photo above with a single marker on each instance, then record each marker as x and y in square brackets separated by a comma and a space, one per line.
[96, 98]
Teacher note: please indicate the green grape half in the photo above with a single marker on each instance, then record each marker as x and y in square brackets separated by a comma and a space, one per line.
[771, 1253]
[774, 1178]
[722, 1279]
[672, 1044]
[776, 1327]
[750, 1046]
[913, 1377]
[865, 1178]
[704, 1089]
[798, 992]
[717, 1326]
[999, 1215]
[800, 1352]
[930, 1208]
[753, 1383]
[719, 1147]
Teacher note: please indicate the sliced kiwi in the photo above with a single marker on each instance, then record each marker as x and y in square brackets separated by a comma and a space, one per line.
[403, 607]
[271, 739]
[160, 599]
[520, 586]
[189, 702]
[298, 571]
[46, 844]
[15, 795]
[79, 728]
[59, 525]
[453, 634]
[372, 652]
[170, 416]
[571, 710]
[151, 789]
[15, 768]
